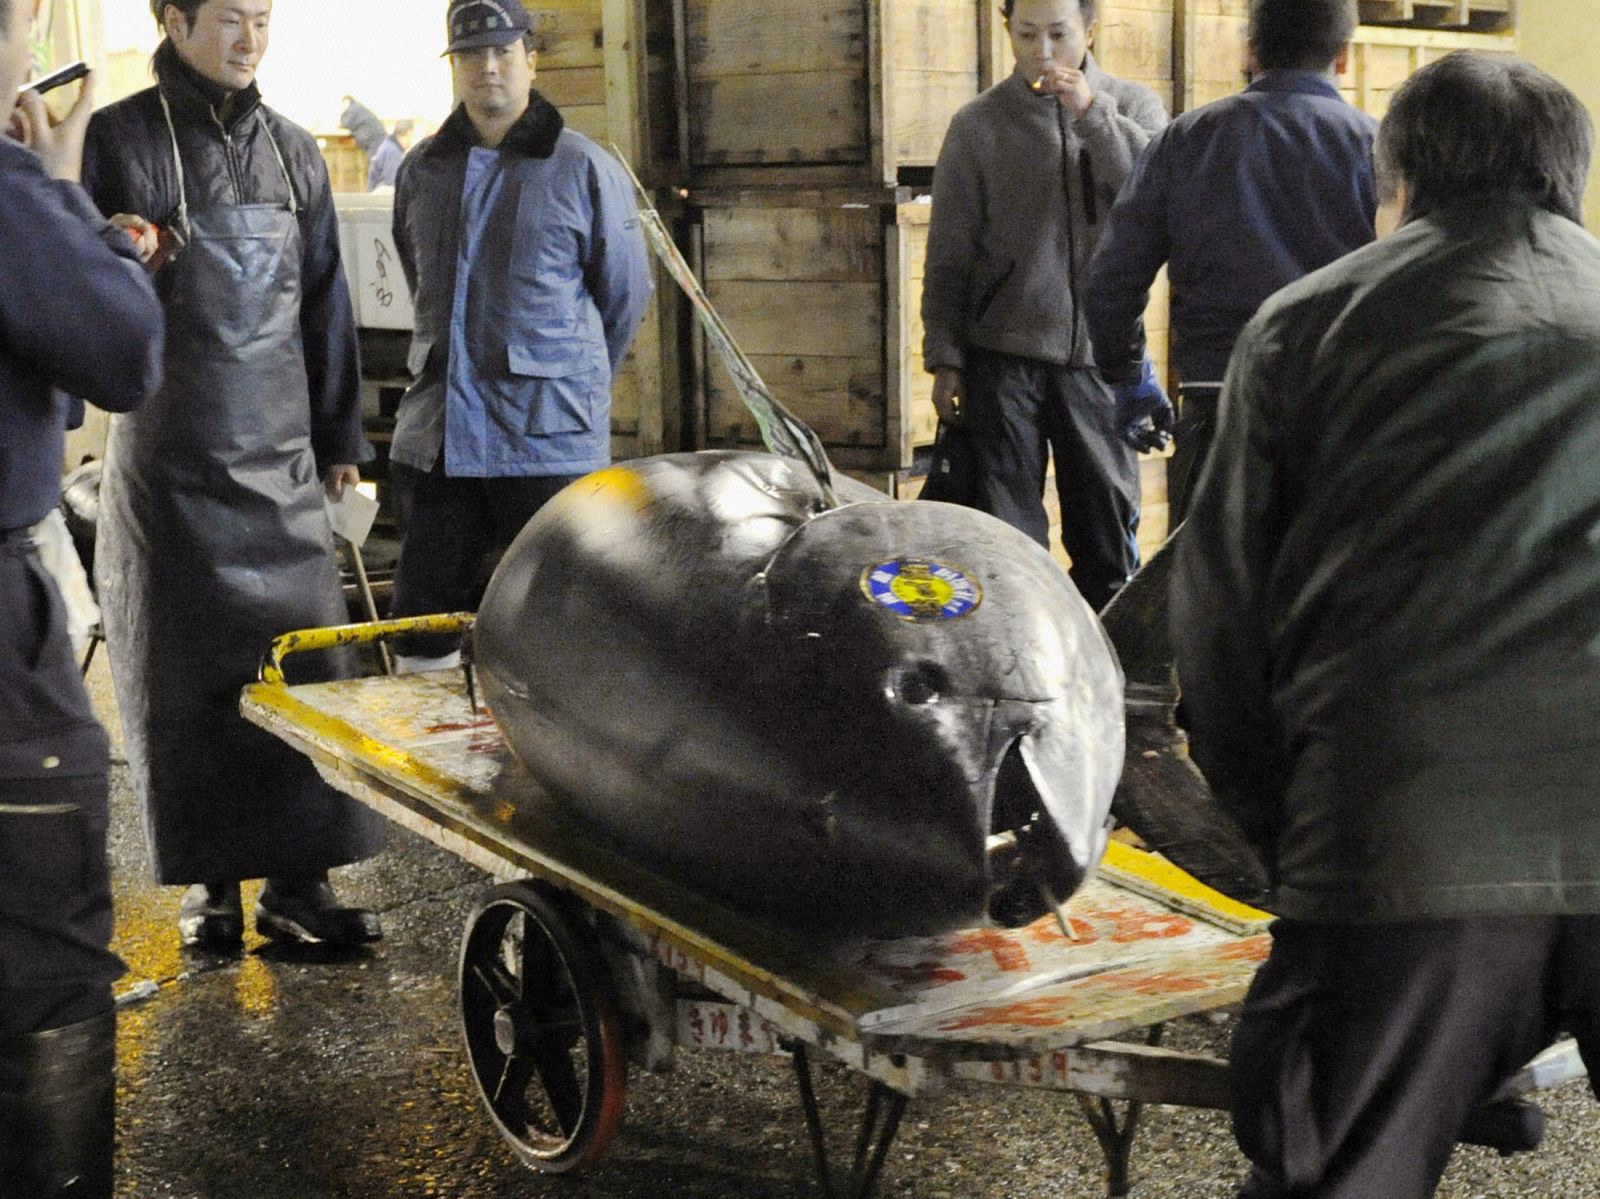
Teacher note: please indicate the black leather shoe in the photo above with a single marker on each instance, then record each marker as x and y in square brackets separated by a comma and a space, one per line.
[308, 911]
[212, 917]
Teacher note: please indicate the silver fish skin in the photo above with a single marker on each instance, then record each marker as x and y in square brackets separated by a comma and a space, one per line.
[884, 718]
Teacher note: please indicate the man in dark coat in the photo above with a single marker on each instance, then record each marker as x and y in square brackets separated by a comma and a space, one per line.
[214, 536]
[1386, 613]
[76, 312]
[1238, 198]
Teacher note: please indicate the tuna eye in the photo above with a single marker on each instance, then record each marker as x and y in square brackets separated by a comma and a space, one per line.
[918, 683]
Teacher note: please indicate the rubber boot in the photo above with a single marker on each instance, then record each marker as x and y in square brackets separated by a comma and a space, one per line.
[58, 1092]
[212, 917]
[307, 910]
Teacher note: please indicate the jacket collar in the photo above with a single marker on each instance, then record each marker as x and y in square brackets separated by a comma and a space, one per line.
[191, 92]
[1304, 83]
[533, 136]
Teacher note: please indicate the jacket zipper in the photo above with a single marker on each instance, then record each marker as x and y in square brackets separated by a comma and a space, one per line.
[1072, 233]
[230, 157]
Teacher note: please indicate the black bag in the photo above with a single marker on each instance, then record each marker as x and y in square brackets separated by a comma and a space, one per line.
[953, 472]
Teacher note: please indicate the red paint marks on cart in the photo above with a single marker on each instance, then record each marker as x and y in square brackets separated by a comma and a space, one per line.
[676, 960]
[930, 972]
[1029, 1013]
[1051, 1071]
[1047, 931]
[1251, 949]
[1156, 982]
[433, 730]
[1009, 953]
[1141, 924]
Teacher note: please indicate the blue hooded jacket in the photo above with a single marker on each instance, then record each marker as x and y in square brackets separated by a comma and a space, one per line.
[529, 275]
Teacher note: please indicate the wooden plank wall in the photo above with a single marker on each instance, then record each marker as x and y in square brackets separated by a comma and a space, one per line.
[791, 129]
[801, 286]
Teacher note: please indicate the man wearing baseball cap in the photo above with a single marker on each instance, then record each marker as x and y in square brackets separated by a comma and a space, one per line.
[512, 363]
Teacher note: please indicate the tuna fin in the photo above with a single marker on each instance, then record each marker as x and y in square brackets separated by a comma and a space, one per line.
[1163, 796]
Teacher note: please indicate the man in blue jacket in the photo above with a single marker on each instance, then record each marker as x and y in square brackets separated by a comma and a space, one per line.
[520, 240]
[1238, 198]
[76, 312]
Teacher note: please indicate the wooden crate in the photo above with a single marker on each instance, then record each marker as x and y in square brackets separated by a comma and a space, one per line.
[1383, 58]
[812, 284]
[822, 289]
[834, 91]
[347, 162]
[1480, 16]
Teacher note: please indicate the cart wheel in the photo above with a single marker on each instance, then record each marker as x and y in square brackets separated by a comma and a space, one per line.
[542, 1028]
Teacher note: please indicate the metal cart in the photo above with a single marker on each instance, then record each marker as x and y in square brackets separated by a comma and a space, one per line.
[582, 960]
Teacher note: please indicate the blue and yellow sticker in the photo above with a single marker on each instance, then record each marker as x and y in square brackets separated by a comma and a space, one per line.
[922, 590]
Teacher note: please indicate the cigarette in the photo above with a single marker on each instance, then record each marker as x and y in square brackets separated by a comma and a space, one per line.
[1038, 84]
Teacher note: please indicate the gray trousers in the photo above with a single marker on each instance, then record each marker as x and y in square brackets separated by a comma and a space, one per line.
[1363, 1049]
[1021, 411]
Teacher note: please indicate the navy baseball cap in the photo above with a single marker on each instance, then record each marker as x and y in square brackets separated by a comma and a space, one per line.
[472, 24]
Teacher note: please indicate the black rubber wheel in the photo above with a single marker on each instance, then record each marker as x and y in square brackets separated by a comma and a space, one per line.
[542, 1029]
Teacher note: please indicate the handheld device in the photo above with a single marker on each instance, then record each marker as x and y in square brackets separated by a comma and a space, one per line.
[55, 79]
[169, 240]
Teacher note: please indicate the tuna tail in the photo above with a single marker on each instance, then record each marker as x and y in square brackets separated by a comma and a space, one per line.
[1163, 797]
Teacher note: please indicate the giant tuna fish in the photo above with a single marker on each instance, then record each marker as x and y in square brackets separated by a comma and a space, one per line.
[877, 717]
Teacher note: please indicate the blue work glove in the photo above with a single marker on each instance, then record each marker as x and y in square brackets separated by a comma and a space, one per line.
[1144, 414]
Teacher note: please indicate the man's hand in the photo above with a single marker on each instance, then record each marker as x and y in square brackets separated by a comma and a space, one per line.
[1069, 86]
[947, 391]
[338, 478]
[59, 144]
[146, 236]
[1143, 415]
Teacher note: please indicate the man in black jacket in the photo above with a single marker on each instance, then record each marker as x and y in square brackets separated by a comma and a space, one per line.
[213, 535]
[1387, 623]
[76, 312]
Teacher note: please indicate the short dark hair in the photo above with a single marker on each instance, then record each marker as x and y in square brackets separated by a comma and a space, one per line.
[1300, 35]
[1485, 124]
[1089, 8]
[189, 8]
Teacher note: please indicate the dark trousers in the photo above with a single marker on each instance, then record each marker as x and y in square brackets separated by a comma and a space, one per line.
[1020, 411]
[455, 529]
[1191, 444]
[1362, 1049]
[56, 964]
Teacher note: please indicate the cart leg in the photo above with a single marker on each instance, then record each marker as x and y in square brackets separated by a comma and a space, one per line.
[879, 1125]
[1116, 1139]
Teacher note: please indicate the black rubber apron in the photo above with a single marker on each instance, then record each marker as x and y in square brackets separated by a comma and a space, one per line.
[213, 539]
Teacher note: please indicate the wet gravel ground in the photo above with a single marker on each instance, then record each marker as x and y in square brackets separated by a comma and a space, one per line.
[289, 1074]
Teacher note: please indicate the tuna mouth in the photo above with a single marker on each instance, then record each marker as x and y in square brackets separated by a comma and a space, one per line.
[1031, 866]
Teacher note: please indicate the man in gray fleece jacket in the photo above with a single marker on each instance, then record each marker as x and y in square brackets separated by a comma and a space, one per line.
[1025, 178]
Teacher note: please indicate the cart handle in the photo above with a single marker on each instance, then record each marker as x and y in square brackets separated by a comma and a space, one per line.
[368, 632]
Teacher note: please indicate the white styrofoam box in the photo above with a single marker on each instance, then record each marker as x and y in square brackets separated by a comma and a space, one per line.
[366, 243]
